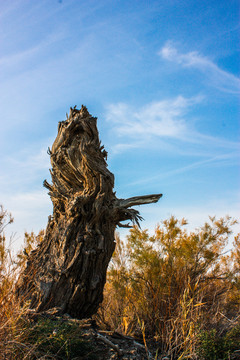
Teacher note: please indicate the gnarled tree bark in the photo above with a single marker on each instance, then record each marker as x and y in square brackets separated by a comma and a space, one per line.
[68, 268]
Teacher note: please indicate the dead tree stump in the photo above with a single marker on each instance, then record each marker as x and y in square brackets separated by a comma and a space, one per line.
[68, 268]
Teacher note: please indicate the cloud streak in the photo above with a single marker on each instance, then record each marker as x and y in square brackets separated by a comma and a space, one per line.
[217, 77]
[212, 161]
[162, 118]
[165, 124]
[28, 56]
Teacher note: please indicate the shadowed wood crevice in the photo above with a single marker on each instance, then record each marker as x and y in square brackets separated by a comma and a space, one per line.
[68, 268]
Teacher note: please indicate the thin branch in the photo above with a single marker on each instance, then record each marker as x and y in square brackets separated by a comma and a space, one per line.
[110, 343]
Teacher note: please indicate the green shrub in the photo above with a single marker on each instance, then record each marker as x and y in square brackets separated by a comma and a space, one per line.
[214, 347]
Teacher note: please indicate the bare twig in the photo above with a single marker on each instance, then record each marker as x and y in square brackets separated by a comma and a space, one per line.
[110, 343]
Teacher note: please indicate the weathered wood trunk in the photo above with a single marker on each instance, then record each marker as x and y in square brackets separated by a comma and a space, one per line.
[68, 268]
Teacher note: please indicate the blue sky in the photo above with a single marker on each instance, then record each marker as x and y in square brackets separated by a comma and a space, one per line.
[161, 76]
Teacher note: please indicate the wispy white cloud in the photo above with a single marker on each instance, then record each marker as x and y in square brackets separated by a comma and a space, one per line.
[165, 124]
[118, 148]
[162, 119]
[217, 77]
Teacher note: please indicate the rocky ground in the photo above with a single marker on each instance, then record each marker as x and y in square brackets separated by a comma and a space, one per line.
[101, 344]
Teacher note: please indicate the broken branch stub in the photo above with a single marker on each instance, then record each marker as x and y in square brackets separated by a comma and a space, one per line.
[68, 268]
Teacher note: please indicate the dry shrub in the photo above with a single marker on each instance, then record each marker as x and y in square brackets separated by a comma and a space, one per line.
[10, 309]
[174, 285]
[14, 324]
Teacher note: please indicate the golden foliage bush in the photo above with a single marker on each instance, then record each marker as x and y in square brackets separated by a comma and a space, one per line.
[10, 309]
[174, 285]
[14, 325]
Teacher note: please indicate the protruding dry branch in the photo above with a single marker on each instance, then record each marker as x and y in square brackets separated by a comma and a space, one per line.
[139, 200]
